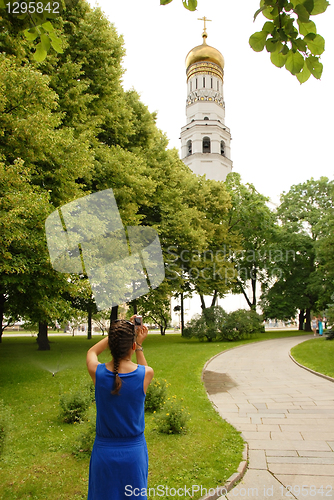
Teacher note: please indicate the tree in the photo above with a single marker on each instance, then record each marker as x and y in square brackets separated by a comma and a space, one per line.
[51, 159]
[291, 266]
[156, 305]
[253, 220]
[22, 211]
[303, 213]
[206, 267]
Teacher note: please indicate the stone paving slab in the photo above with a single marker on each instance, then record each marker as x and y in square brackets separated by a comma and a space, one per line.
[285, 413]
[258, 484]
[308, 487]
[268, 444]
[300, 460]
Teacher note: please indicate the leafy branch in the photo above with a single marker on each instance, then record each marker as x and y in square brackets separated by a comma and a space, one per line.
[33, 19]
[289, 35]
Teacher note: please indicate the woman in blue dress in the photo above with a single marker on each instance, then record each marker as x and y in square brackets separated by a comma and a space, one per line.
[119, 462]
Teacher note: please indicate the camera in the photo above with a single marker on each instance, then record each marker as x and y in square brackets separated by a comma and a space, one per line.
[138, 321]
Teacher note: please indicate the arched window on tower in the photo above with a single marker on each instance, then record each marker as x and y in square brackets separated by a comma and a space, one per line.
[222, 148]
[206, 145]
[189, 148]
[203, 82]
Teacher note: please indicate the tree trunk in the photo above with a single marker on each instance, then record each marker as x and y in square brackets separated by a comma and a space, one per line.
[42, 337]
[253, 306]
[182, 313]
[308, 320]
[135, 308]
[244, 294]
[203, 306]
[89, 330]
[301, 318]
[2, 310]
[113, 313]
[214, 299]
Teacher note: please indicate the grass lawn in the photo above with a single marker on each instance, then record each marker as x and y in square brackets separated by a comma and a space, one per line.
[317, 354]
[38, 462]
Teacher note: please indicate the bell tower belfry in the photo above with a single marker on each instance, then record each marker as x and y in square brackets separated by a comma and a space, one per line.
[205, 139]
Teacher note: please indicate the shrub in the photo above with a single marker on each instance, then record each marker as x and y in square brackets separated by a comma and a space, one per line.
[173, 418]
[155, 395]
[208, 325]
[85, 441]
[216, 324]
[330, 334]
[74, 404]
[240, 324]
[4, 425]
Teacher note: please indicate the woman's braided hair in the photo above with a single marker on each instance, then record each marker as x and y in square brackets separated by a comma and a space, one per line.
[120, 340]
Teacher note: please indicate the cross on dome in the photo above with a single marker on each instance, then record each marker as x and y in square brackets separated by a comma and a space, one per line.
[205, 20]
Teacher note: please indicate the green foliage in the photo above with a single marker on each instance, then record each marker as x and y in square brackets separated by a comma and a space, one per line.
[4, 425]
[83, 445]
[302, 255]
[290, 36]
[216, 324]
[207, 325]
[330, 335]
[173, 418]
[156, 394]
[255, 223]
[188, 4]
[74, 404]
[241, 324]
[32, 20]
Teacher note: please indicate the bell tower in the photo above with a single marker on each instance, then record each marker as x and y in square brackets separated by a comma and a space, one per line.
[205, 139]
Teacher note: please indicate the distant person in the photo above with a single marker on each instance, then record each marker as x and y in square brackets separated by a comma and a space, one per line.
[119, 457]
[320, 327]
[314, 325]
[325, 322]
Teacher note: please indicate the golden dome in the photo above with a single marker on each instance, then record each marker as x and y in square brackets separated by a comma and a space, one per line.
[204, 53]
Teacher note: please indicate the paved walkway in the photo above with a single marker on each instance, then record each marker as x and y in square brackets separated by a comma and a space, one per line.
[286, 415]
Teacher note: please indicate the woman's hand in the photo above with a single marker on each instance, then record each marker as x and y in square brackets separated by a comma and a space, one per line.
[141, 332]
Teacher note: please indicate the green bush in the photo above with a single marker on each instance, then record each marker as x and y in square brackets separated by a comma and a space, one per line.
[4, 425]
[208, 325]
[85, 441]
[155, 395]
[216, 324]
[173, 418]
[240, 324]
[74, 404]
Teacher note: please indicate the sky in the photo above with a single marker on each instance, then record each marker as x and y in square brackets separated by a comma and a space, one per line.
[282, 132]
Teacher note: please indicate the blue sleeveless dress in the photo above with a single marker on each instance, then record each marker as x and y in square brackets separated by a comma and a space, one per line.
[119, 461]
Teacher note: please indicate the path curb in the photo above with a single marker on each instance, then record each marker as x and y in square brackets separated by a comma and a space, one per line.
[327, 377]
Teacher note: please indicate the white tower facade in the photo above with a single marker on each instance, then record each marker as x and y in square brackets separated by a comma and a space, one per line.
[205, 139]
